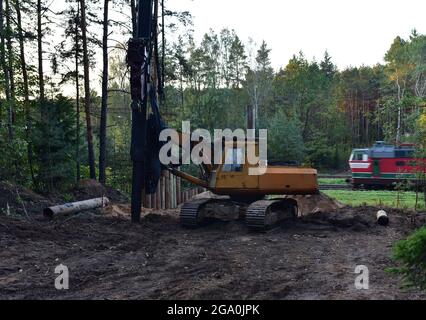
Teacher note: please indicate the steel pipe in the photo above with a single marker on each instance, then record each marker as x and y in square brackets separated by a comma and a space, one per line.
[74, 207]
[382, 218]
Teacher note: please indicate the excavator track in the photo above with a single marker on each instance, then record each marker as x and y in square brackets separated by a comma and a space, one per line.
[264, 214]
[189, 213]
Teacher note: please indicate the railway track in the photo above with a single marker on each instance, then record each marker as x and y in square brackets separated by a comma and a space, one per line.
[335, 187]
[325, 187]
[334, 176]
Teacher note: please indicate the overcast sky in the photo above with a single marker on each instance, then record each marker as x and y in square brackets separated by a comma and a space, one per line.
[354, 32]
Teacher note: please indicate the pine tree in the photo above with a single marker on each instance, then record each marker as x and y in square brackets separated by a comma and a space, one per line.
[259, 83]
[54, 140]
[87, 92]
[6, 76]
[237, 62]
[25, 84]
[327, 67]
[104, 107]
[70, 52]
[40, 35]
[10, 68]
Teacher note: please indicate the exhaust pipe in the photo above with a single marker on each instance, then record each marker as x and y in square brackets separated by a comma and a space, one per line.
[74, 207]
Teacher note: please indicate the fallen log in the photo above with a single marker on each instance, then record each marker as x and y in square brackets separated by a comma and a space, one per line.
[75, 207]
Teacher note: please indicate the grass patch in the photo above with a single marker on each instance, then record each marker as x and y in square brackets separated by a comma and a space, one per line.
[332, 181]
[377, 198]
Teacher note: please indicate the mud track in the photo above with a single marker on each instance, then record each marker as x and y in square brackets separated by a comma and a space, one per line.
[109, 258]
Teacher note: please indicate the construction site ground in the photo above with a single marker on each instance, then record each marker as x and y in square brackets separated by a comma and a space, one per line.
[313, 257]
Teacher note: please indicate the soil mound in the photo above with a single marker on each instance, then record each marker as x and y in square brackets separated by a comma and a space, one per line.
[88, 189]
[17, 200]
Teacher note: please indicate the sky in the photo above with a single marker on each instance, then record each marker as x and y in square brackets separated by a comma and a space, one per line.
[354, 32]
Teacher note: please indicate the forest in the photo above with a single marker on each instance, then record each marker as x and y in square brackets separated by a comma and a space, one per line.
[65, 105]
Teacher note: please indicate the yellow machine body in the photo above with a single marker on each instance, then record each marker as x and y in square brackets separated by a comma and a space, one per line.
[234, 179]
[276, 180]
[246, 185]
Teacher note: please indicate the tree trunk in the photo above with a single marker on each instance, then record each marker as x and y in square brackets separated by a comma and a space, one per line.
[77, 96]
[11, 68]
[26, 91]
[86, 66]
[5, 70]
[104, 107]
[40, 52]
[398, 127]
[134, 24]
[399, 121]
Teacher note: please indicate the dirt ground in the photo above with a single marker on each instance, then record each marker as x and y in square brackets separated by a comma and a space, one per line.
[109, 258]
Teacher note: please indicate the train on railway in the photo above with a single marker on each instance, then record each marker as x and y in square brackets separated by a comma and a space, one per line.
[384, 165]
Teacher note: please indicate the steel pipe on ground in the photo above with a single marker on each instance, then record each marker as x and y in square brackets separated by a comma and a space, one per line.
[74, 207]
[382, 218]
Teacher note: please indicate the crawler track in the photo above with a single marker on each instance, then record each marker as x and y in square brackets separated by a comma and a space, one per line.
[263, 214]
[189, 213]
[256, 214]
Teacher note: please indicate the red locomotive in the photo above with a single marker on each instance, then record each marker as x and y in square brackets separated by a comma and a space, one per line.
[384, 165]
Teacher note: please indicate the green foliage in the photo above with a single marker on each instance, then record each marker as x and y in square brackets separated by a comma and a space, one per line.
[285, 142]
[54, 141]
[13, 161]
[320, 153]
[411, 253]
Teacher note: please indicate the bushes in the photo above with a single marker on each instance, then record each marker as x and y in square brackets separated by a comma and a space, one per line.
[13, 159]
[412, 255]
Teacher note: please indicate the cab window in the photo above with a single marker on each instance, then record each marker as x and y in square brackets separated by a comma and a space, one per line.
[359, 156]
[233, 160]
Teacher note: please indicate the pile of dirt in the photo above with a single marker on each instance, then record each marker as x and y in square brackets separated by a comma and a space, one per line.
[363, 218]
[315, 203]
[17, 200]
[89, 189]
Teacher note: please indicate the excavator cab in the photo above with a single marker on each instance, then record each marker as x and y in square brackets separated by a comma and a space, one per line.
[233, 174]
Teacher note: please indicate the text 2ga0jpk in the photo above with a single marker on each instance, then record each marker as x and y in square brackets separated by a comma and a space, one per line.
[236, 310]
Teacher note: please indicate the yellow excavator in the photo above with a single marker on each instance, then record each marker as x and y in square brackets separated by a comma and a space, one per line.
[281, 192]
[236, 193]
